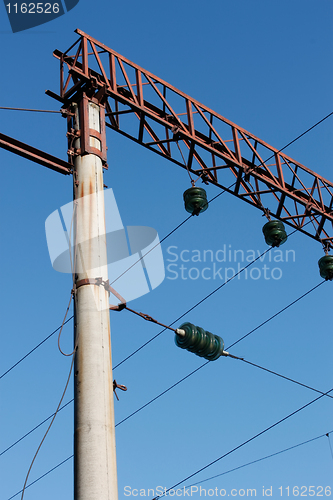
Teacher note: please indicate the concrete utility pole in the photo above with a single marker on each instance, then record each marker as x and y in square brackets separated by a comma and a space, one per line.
[95, 470]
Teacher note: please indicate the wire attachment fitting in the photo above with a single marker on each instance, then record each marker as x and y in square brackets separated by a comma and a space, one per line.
[181, 333]
[267, 213]
[106, 284]
[118, 386]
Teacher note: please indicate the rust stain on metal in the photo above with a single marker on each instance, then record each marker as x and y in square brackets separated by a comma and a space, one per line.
[80, 189]
[91, 209]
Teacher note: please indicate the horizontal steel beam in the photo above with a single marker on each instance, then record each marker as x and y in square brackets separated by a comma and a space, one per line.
[35, 155]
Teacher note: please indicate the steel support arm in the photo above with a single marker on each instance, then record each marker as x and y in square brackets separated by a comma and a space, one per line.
[153, 113]
[34, 154]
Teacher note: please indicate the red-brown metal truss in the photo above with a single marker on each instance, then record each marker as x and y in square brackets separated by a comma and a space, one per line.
[34, 154]
[153, 113]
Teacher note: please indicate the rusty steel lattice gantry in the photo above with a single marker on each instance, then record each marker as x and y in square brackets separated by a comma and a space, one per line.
[146, 109]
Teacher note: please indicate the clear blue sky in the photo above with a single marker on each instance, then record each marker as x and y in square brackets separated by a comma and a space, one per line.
[266, 65]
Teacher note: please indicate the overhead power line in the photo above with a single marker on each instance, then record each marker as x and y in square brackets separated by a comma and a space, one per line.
[205, 298]
[163, 239]
[283, 376]
[222, 192]
[41, 477]
[192, 373]
[244, 443]
[206, 363]
[329, 443]
[199, 482]
[193, 307]
[301, 135]
[63, 393]
[167, 236]
[35, 428]
[36, 347]
[153, 338]
[282, 149]
[260, 459]
[28, 109]
[276, 314]
[169, 389]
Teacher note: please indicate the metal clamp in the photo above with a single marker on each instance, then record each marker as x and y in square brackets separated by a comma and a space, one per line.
[108, 288]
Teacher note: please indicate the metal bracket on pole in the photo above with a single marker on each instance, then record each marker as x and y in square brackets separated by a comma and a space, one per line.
[92, 141]
[108, 288]
[118, 386]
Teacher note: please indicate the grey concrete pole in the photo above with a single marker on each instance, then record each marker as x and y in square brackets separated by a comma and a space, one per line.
[95, 471]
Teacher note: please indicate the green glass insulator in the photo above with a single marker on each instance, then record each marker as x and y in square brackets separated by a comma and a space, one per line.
[195, 199]
[200, 342]
[204, 342]
[188, 341]
[274, 233]
[326, 267]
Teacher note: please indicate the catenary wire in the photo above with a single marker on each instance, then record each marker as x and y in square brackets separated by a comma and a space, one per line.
[193, 307]
[59, 328]
[36, 347]
[240, 359]
[69, 319]
[205, 298]
[61, 399]
[64, 321]
[50, 425]
[199, 482]
[174, 385]
[119, 423]
[244, 443]
[161, 394]
[329, 443]
[125, 271]
[167, 236]
[59, 336]
[200, 302]
[260, 459]
[301, 135]
[35, 428]
[41, 477]
[194, 371]
[184, 378]
[224, 190]
[163, 239]
[25, 109]
[73, 353]
[276, 314]
[283, 376]
[206, 363]
[34, 110]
